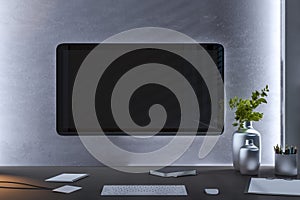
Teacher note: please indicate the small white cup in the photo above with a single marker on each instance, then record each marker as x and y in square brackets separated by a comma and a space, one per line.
[286, 164]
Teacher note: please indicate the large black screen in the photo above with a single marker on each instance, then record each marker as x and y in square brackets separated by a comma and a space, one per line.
[70, 58]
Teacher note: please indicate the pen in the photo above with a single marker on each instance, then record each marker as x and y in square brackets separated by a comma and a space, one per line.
[287, 150]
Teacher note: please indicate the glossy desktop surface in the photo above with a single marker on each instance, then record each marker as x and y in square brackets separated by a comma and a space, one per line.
[231, 184]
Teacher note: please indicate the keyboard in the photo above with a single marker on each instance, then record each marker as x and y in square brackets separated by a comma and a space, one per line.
[144, 190]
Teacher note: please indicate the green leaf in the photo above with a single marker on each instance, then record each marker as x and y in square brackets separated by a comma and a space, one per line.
[263, 100]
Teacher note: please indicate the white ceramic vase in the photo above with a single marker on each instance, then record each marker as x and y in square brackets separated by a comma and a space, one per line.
[239, 138]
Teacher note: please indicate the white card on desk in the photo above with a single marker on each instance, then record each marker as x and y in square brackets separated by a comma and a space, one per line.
[274, 186]
[66, 177]
[67, 189]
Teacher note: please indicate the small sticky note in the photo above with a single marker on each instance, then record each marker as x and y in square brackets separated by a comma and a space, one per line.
[66, 189]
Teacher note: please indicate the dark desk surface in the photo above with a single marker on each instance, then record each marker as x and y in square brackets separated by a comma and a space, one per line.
[230, 183]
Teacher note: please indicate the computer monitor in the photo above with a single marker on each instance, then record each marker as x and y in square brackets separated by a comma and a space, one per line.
[71, 57]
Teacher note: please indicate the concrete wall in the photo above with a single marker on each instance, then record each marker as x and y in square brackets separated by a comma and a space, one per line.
[30, 31]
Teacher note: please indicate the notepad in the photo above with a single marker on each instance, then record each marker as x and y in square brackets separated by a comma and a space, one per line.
[66, 177]
[274, 186]
[162, 173]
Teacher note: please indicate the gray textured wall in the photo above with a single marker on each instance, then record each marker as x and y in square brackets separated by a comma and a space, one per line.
[293, 72]
[31, 30]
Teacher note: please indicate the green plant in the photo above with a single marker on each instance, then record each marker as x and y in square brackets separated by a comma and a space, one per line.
[244, 108]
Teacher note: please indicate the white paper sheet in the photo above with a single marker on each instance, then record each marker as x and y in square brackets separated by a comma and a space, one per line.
[66, 177]
[274, 186]
[66, 189]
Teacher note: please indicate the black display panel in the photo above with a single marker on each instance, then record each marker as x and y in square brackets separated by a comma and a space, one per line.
[70, 57]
